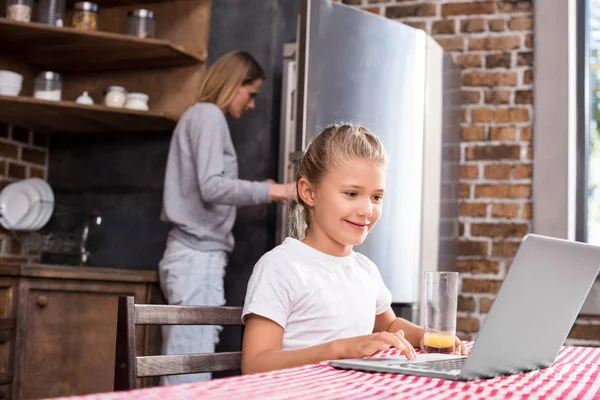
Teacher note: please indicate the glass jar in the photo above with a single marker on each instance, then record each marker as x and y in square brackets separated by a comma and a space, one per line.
[48, 86]
[137, 101]
[19, 10]
[51, 12]
[85, 16]
[140, 23]
[115, 96]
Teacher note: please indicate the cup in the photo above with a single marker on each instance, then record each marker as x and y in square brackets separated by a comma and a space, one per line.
[441, 298]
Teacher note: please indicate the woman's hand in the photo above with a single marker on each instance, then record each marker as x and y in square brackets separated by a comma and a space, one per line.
[367, 345]
[459, 346]
[282, 193]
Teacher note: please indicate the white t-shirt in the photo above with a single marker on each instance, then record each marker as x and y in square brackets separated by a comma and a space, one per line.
[314, 296]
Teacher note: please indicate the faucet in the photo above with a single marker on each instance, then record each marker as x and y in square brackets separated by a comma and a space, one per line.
[90, 220]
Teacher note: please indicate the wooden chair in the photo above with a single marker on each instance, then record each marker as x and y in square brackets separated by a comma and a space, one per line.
[128, 366]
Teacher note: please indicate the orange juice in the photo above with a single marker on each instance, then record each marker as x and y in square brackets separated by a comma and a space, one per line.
[442, 342]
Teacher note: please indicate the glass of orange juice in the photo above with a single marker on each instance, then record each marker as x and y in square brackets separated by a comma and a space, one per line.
[441, 298]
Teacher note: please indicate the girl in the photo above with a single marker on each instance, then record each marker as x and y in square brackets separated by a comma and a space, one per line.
[315, 299]
[201, 193]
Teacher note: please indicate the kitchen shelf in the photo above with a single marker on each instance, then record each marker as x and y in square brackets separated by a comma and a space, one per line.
[116, 3]
[74, 50]
[70, 117]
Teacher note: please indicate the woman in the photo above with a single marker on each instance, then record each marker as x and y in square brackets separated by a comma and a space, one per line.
[201, 193]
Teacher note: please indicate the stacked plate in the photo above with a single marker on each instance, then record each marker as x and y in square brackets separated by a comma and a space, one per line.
[26, 205]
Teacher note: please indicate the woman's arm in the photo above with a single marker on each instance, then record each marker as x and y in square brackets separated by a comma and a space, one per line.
[388, 322]
[261, 348]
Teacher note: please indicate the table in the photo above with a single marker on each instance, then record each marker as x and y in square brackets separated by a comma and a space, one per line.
[574, 375]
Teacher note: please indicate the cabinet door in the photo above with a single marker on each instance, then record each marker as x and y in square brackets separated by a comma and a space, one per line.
[70, 342]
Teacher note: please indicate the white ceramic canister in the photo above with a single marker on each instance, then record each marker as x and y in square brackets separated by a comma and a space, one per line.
[115, 96]
[137, 101]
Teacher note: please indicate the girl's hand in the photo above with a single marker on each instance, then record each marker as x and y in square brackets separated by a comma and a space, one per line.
[367, 345]
[459, 346]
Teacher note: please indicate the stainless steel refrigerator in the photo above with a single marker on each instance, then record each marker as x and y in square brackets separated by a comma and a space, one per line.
[351, 65]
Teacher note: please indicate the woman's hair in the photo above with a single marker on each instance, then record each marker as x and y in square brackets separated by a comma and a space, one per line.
[335, 145]
[230, 71]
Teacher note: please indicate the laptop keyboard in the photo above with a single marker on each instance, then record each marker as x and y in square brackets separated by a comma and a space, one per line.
[441, 365]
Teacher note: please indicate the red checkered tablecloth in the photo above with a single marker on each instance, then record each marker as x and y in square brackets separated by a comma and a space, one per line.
[574, 375]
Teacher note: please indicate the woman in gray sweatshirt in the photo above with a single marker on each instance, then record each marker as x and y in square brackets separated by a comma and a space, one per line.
[201, 193]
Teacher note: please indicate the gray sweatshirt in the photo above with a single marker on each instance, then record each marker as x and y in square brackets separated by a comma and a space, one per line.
[202, 189]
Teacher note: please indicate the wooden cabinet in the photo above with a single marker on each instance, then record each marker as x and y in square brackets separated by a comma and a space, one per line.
[58, 327]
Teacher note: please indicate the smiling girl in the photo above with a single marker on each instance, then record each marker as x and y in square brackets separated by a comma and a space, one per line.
[313, 298]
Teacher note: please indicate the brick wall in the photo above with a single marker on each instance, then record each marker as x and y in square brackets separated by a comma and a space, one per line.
[493, 43]
[23, 154]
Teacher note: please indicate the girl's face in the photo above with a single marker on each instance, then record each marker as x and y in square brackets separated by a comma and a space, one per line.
[243, 100]
[345, 205]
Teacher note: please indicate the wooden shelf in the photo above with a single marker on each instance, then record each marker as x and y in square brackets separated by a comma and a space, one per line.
[69, 117]
[73, 50]
[117, 3]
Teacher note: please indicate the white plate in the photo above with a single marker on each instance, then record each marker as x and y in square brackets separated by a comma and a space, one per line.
[39, 207]
[35, 196]
[14, 203]
[48, 202]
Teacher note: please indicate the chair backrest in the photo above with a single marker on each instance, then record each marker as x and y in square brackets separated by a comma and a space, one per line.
[128, 366]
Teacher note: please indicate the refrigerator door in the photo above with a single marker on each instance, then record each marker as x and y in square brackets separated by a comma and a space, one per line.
[359, 67]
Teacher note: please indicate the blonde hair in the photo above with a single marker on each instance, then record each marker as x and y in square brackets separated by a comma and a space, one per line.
[230, 71]
[335, 145]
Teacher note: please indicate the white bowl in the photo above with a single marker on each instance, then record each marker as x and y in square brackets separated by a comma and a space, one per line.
[9, 90]
[10, 78]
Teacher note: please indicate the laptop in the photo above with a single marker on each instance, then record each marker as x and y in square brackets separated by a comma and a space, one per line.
[537, 305]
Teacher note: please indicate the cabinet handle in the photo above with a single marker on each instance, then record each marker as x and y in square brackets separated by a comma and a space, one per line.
[42, 301]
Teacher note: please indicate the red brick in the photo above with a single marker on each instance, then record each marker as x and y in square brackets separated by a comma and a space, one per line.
[489, 78]
[452, 43]
[16, 171]
[483, 115]
[520, 24]
[4, 127]
[528, 77]
[14, 247]
[34, 156]
[503, 133]
[443, 27]
[527, 211]
[416, 24]
[523, 97]
[497, 25]
[469, 171]
[485, 304]
[374, 10]
[515, 5]
[495, 43]
[466, 304]
[472, 25]
[512, 115]
[529, 41]
[498, 60]
[493, 152]
[478, 266]
[40, 140]
[468, 60]
[503, 190]
[505, 210]
[587, 331]
[525, 58]
[473, 133]
[522, 171]
[472, 248]
[470, 96]
[8, 150]
[497, 96]
[463, 115]
[480, 285]
[20, 134]
[467, 324]
[464, 191]
[418, 10]
[37, 173]
[473, 209]
[470, 8]
[529, 153]
[499, 230]
[525, 133]
[497, 171]
[505, 249]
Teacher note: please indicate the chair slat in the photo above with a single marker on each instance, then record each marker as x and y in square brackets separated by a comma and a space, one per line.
[146, 314]
[188, 363]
